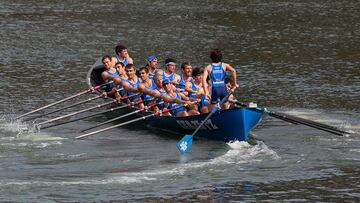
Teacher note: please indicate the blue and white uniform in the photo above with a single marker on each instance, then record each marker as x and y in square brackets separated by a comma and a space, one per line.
[148, 98]
[182, 83]
[151, 75]
[174, 105]
[122, 92]
[134, 85]
[196, 88]
[111, 85]
[217, 79]
[168, 77]
[158, 100]
[125, 61]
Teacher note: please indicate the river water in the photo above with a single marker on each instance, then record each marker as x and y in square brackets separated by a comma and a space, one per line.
[297, 57]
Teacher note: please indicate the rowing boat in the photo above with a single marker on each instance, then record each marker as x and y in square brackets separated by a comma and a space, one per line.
[225, 125]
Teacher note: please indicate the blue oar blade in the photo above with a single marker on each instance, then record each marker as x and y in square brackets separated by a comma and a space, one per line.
[185, 143]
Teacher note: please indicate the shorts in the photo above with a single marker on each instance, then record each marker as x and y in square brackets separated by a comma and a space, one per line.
[218, 93]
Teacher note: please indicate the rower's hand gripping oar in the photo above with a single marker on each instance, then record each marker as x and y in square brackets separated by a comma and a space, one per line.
[185, 143]
[128, 122]
[91, 89]
[298, 120]
[104, 94]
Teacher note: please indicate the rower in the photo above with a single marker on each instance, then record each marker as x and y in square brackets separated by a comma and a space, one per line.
[120, 67]
[217, 72]
[185, 76]
[131, 84]
[175, 99]
[169, 72]
[159, 91]
[146, 87]
[153, 65]
[121, 55]
[110, 73]
[196, 90]
[229, 85]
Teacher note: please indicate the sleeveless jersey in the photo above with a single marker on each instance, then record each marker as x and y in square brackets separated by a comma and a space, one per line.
[158, 100]
[217, 75]
[174, 105]
[151, 75]
[146, 97]
[182, 83]
[125, 61]
[122, 92]
[134, 85]
[169, 77]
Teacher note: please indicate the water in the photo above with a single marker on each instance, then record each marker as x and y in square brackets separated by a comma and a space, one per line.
[297, 57]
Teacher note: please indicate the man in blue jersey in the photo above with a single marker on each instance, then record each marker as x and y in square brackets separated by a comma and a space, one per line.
[110, 73]
[185, 76]
[196, 90]
[122, 55]
[177, 100]
[169, 72]
[153, 65]
[146, 87]
[217, 73]
[131, 84]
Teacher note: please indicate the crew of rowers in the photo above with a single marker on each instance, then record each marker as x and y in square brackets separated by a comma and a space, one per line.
[192, 92]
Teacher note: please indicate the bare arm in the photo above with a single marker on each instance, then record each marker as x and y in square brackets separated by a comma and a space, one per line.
[204, 83]
[233, 74]
[143, 89]
[129, 88]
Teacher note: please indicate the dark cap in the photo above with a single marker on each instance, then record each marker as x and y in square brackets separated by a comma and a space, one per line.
[165, 81]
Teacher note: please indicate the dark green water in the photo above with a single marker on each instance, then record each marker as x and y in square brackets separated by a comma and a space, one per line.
[298, 57]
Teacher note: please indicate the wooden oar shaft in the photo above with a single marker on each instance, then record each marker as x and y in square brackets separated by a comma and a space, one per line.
[62, 100]
[123, 116]
[128, 122]
[76, 104]
[77, 112]
[85, 117]
[117, 118]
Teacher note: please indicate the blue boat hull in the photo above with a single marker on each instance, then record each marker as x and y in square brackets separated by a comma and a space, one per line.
[228, 125]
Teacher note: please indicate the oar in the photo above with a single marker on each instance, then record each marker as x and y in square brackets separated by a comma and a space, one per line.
[185, 143]
[88, 116]
[298, 120]
[63, 100]
[76, 104]
[128, 122]
[125, 115]
[84, 110]
[77, 112]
